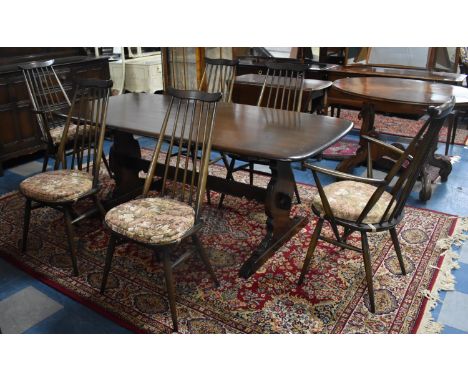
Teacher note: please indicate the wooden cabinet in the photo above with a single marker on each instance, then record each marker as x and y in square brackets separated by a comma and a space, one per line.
[19, 131]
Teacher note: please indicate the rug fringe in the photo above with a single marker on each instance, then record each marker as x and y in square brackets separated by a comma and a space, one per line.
[445, 279]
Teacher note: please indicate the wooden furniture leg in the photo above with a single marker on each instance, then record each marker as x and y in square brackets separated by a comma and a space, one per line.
[280, 226]
[125, 148]
[368, 115]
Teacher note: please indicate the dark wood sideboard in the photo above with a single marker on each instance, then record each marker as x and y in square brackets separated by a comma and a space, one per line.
[19, 130]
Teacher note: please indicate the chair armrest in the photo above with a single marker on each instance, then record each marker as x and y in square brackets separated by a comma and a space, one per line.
[343, 175]
[396, 150]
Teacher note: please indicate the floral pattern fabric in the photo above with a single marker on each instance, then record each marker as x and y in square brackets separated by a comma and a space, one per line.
[57, 132]
[57, 186]
[348, 198]
[152, 220]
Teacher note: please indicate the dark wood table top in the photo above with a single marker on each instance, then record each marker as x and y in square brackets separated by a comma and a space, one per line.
[258, 79]
[418, 74]
[406, 91]
[239, 129]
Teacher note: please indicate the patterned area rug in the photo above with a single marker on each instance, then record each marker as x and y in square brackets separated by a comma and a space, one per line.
[333, 298]
[403, 127]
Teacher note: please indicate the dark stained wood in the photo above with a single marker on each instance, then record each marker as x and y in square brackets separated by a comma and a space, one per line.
[239, 129]
[247, 90]
[338, 72]
[274, 135]
[393, 95]
[19, 130]
[396, 92]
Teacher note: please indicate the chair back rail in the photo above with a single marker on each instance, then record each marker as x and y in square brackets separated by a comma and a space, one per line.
[283, 86]
[219, 76]
[88, 113]
[187, 128]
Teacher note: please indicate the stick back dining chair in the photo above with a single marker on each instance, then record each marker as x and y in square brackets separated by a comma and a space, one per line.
[368, 204]
[77, 178]
[282, 89]
[48, 96]
[219, 76]
[161, 223]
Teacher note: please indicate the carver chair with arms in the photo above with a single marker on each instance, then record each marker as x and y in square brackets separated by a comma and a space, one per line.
[162, 222]
[76, 177]
[282, 89]
[370, 205]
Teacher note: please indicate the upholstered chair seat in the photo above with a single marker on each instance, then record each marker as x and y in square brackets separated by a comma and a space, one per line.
[57, 132]
[348, 198]
[57, 186]
[152, 220]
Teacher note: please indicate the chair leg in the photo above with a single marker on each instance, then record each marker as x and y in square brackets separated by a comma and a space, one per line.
[106, 164]
[208, 196]
[70, 236]
[368, 269]
[204, 257]
[170, 289]
[229, 176]
[251, 173]
[396, 245]
[107, 265]
[46, 161]
[310, 251]
[454, 129]
[27, 216]
[296, 192]
[100, 207]
[449, 133]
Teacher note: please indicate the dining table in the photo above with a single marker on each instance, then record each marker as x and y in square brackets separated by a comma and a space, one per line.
[277, 136]
[396, 96]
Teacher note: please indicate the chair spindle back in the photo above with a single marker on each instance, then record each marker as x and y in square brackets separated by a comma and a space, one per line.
[219, 77]
[283, 86]
[187, 128]
[88, 113]
[412, 161]
[46, 93]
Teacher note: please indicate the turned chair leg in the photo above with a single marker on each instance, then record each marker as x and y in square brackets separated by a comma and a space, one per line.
[170, 289]
[107, 265]
[368, 269]
[204, 257]
[396, 245]
[70, 236]
[229, 176]
[27, 216]
[310, 251]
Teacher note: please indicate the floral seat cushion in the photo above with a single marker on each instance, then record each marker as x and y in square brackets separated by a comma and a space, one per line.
[57, 186]
[57, 132]
[152, 220]
[347, 200]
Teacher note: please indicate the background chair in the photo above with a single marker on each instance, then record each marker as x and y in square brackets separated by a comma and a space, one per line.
[62, 188]
[162, 223]
[48, 97]
[282, 89]
[372, 205]
[219, 76]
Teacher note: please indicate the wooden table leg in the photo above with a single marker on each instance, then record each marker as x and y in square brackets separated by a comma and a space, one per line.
[125, 146]
[280, 226]
[367, 128]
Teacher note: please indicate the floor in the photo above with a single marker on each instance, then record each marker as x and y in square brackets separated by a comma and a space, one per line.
[29, 306]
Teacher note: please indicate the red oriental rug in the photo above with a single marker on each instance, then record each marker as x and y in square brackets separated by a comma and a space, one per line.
[333, 298]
